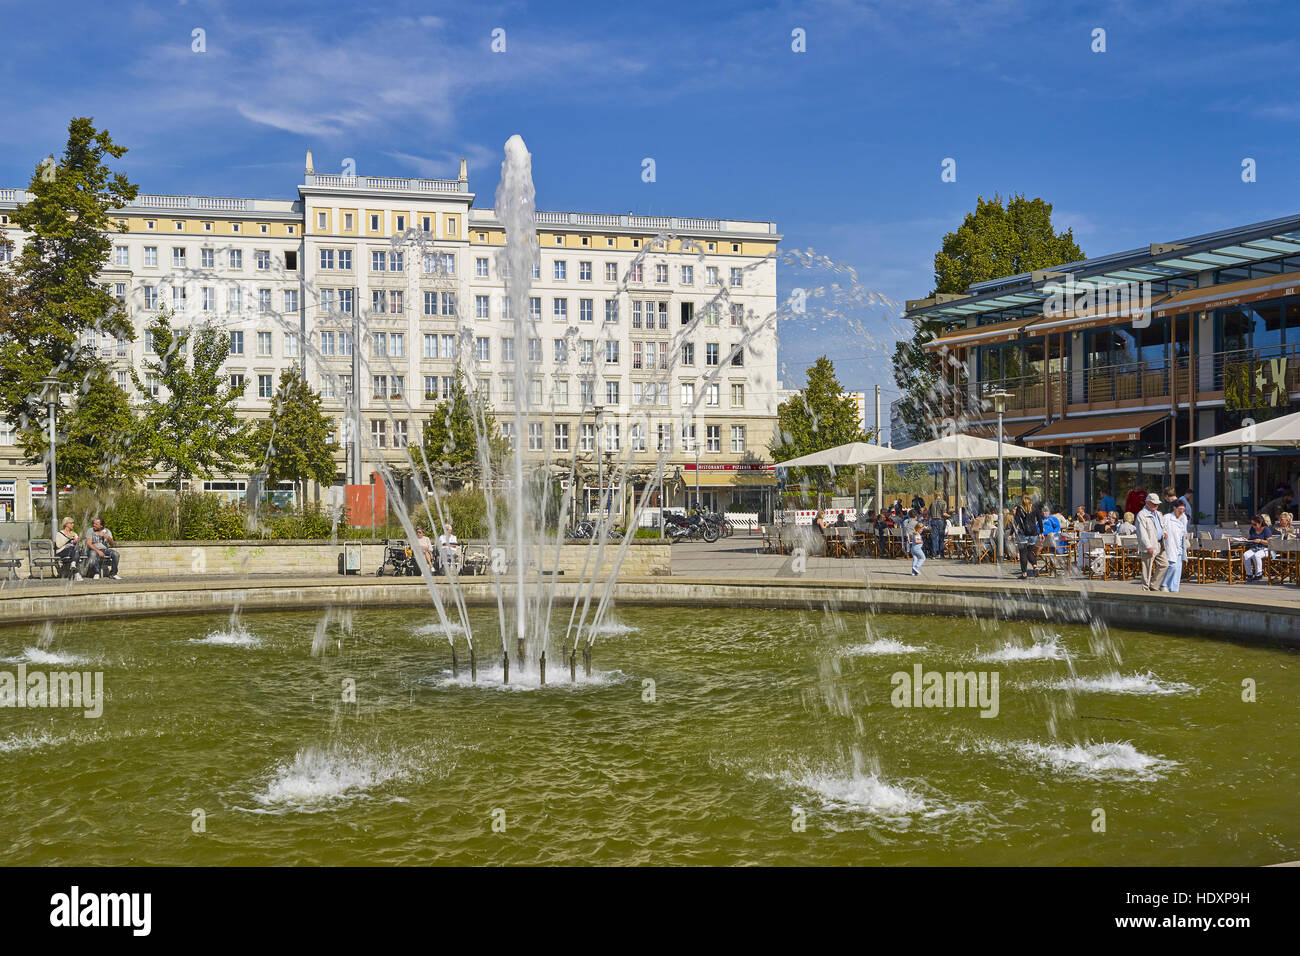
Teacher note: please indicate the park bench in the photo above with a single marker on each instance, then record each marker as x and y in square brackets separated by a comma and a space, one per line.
[41, 557]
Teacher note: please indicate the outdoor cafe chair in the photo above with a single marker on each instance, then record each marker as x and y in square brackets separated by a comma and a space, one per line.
[955, 543]
[1280, 562]
[1217, 561]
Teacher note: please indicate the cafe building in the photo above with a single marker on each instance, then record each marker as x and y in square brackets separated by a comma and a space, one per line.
[1115, 363]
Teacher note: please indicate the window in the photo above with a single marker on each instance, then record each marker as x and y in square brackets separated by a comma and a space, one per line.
[236, 384]
[710, 276]
[611, 352]
[688, 394]
[711, 354]
[737, 277]
[738, 439]
[737, 395]
[180, 226]
[426, 224]
[688, 353]
[611, 393]
[380, 385]
[208, 298]
[327, 343]
[178, 258]
[374, 222]
[561, 270]
[401, 436]
[612, 443]
[507, 349]
[737, 315]
[448, 346]
[535, 308]
[347, 222]
[586, 351]
[537, 270]
[148, 343]
[264, 300]
[611, 271]
[560, 392]
[587, 440]
[121, 256]
[611, 310]
[378, 262]
[430, 345]
[712, 393]
[345, 258]
[713, 438]
[379, 344]
[483, 348]
[150, 297]
[178, 298]
[650, 349]
[264, 344]
[584, 271]
[430, 388]
[661, 274]
[586, 394]
[291, 300]
[636, 435]
[236, 343]
[207, 259]
[262, 259]
[688, 275]
[379, 432]
[636, 362]
[481, 267]
[738, 357]
[378, 301]
[345, 343]
[585, 310]
[664, 437]
[534, 350]
[235, 300]
[397, 384]
[327, 258]
[688, 438]
[534, 436]
[507, 389]
[447, 301]
[151, 384]
[399, 223]
[151, 256]
[560, 310]
[326, 300]
[560, 354]
[635, 272]
[396, 302]
[322, 221]
[345, 301]
[561, 436]
[440, 263]
[636, 314]
[431, 303]
[264, 389]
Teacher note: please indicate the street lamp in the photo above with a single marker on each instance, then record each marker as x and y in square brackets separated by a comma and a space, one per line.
[51, 389]
[999, 400]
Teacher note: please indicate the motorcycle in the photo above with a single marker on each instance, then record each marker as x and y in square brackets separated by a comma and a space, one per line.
[689, 527]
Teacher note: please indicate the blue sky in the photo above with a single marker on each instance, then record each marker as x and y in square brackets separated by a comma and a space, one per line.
[841, 145]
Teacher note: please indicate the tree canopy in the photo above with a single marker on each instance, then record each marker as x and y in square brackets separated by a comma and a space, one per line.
[296, 442]
[821, 416]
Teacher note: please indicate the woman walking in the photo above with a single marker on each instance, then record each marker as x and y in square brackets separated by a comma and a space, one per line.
[914, 534]
[1028, 526]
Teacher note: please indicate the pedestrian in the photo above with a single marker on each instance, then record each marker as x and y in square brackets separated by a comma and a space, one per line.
[1028, 526]
[938, 530]
[1175, 545]
[913, 534]
[1151, 534]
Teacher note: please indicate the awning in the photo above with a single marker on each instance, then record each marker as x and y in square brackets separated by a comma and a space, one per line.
[1011, 431]
[729, 476]
[1095, 429]
[1230, 293]
[989, 334]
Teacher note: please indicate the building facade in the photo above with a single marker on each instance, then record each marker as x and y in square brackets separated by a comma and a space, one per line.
[1116, 363]
[648, 337]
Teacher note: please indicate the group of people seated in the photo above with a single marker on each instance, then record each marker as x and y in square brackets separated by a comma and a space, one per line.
[88, 555]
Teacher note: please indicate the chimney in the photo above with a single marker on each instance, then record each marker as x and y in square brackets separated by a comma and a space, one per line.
[464, 172]
[311, 170]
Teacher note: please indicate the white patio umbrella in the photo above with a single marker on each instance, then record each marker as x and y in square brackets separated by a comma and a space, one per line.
[1283, 432]
[961, 448]
[841, 456]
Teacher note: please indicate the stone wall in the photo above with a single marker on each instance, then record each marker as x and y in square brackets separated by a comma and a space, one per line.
[645, 557]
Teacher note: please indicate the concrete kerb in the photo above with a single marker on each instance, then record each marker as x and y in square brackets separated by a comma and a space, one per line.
[1244, 621]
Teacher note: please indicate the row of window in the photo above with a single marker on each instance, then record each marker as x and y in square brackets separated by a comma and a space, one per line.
[234, 258]
[263, 228]
[377, 222]
[207, 298]
[643, 353]
[381, 429]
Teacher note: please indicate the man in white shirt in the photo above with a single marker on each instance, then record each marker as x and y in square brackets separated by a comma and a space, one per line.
[1151, 534]
[1175, 545]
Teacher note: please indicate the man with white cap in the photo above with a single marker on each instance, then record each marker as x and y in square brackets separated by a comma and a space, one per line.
[1151, 551]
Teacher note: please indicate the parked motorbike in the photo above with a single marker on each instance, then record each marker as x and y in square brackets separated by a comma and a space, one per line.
[689, 528]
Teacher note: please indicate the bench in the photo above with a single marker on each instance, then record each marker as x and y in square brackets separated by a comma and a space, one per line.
[10, 560]
[41, 557]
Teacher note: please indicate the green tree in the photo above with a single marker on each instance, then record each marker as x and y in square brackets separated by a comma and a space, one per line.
[101, 440]
[821, 416]
[450, 441]
[994, 241]
[297, 440]
[195, 429]
[55, 296]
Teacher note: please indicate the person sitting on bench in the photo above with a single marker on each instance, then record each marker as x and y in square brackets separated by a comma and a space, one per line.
[103, 557]
[65, 549]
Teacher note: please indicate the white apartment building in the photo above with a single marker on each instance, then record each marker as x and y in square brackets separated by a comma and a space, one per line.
[644, 333]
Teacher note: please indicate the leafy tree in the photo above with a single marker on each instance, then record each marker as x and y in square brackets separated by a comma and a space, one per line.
[995, 240]
[821, 416]
[195, 429]
[101, 441]
[297, 439]
[54, 297]
[450, 441]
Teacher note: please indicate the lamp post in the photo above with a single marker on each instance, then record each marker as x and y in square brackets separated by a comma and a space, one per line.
[695, 440]
[573, 472]
[51, 388]
[599, 412]
[999, 400]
